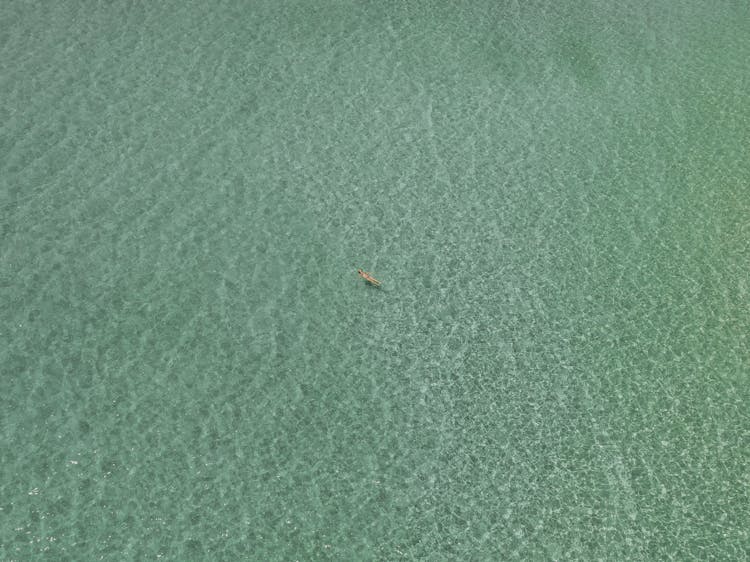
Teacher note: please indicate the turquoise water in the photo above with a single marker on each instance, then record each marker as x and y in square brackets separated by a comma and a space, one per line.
[555, 196]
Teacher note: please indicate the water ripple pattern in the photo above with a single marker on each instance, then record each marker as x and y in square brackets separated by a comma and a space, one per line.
[555, 196]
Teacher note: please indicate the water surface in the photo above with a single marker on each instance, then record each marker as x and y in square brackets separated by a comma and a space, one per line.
[555, 198]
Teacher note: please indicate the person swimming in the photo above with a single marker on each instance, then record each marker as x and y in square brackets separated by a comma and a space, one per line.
[368, 278]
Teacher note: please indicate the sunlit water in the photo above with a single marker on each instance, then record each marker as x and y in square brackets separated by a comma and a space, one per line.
[555, 196]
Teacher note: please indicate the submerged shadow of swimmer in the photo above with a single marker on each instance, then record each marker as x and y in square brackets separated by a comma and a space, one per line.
[369, 279]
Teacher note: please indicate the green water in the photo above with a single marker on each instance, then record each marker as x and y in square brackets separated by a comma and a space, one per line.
[555, 195]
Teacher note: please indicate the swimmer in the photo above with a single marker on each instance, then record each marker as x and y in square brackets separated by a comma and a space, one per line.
[369, 278]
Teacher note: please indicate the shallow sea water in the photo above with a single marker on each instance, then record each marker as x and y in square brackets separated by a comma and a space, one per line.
[556, 197]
